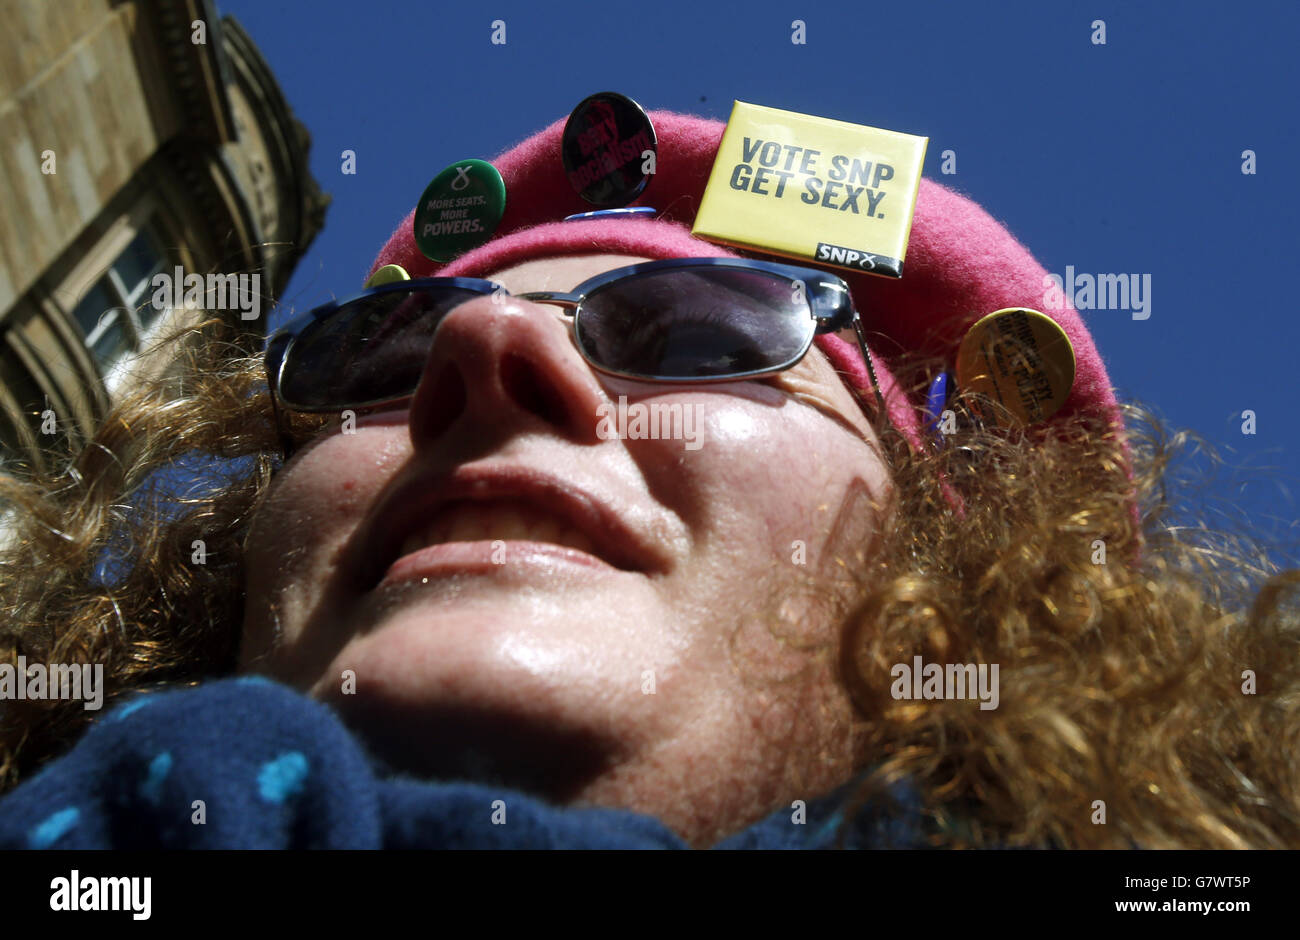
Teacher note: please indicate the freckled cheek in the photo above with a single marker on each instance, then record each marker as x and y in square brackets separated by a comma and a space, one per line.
[342, 474]
[306, 514]
[764, 477]
[777, 445]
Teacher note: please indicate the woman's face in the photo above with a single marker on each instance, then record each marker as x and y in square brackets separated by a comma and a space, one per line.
[489, 584]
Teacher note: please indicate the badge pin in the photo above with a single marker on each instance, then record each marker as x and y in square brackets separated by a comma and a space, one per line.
[459, 210]
[608, 149]
[631, 212]
[387, 275]
[936, 400]
[813, 189]
[1021, 359]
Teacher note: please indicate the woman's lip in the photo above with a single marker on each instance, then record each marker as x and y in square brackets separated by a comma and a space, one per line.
[635, 544]
[483, 557]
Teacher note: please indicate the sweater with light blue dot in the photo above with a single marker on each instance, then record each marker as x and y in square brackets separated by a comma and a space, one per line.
[251, 763]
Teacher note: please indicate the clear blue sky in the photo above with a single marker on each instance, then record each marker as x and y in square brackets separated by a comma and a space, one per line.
[1123, 157]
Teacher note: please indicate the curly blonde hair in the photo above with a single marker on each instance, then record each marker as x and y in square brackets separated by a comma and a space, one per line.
[1150, 684]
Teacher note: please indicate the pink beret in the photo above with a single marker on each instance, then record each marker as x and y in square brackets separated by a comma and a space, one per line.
[960, 264]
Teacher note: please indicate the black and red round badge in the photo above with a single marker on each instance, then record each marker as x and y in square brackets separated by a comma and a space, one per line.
[609, 149]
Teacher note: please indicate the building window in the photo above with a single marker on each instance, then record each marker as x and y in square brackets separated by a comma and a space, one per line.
[116, 314]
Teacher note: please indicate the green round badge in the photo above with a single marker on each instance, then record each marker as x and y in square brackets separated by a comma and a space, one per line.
[459, 210]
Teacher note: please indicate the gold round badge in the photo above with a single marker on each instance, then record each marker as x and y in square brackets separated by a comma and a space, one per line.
[1020, 358]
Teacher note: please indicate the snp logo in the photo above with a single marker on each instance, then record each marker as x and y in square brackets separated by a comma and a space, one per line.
[846, 257]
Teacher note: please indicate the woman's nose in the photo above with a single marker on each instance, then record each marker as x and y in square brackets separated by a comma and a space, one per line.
[503, 364]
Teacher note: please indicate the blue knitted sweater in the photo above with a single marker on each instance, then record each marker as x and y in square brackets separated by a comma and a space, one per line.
[249, 763]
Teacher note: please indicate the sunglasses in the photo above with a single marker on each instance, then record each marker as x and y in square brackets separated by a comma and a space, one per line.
[681, 321]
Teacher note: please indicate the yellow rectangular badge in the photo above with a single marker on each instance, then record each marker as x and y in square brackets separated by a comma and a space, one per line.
[813, 189]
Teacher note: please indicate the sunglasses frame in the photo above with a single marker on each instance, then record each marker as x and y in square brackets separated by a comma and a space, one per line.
[828, 299]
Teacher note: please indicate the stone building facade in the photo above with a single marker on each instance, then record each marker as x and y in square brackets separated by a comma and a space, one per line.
[140, 136]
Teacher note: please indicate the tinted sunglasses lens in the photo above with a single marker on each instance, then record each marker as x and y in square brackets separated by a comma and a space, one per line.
[367, 351]
[691, 323]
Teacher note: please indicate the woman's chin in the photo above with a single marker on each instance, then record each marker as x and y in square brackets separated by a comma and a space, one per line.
[511, 744]
[533, 692]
